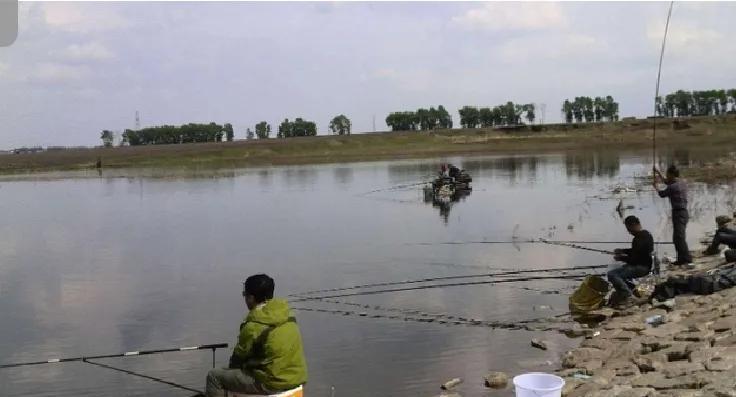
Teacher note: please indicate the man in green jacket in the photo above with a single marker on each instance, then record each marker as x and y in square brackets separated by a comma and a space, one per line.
[268, 357]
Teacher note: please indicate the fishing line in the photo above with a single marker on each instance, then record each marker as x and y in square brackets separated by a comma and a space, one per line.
[153, 378]
[430, 279]
[433, 286]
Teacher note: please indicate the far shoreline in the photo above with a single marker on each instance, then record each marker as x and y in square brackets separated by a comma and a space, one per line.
[703, 132]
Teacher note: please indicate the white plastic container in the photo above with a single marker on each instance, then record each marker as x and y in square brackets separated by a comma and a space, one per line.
[538, 384]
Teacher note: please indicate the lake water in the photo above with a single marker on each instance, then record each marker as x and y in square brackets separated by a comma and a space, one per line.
[102, 264]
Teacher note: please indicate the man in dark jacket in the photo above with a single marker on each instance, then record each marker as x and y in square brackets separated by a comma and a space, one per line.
[676, 190]
[268, 357]
[638, 260]
[724, 235]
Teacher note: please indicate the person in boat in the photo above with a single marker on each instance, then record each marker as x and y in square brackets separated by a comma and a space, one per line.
[724, 235]
[268, 357]
[676, 191]
[443, 171]
[453, 171]
[637, 261]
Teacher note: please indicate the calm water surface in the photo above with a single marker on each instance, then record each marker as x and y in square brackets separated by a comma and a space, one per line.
[108, 264]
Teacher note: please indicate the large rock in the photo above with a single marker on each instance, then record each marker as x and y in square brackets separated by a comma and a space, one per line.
[673, 370]
[577, 357]
[724, 324]
[650, 362]
[497, 380]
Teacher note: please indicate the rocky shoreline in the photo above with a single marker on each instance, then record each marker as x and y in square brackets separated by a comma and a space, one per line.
[691, 353]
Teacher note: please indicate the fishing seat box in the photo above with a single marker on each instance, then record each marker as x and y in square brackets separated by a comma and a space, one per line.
[298, 392]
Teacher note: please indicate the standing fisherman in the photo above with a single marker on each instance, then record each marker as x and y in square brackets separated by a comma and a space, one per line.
[676, 190]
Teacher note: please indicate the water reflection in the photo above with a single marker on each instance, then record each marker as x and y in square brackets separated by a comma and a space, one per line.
[100, 265]
[445, 203]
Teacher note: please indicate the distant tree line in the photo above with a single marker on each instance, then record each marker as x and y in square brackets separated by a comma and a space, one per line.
[501, 115]
[696, 103]
[590, 109]
[170, 134]
[298, 127]
[421, 119]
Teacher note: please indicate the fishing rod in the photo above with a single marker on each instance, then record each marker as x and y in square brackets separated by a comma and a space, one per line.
[397, 187]
[656, 96]
[576, 246]
[429, 279]
[432, 286]
[530, 241]
[212, 347]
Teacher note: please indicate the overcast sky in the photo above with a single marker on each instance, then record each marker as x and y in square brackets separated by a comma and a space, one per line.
[79, 68]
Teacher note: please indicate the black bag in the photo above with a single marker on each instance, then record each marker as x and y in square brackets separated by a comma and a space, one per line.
[702, 284]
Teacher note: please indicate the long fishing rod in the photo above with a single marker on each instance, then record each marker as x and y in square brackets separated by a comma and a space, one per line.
[530, 241]
[430, 279]
[656, 95]
[433, 286]
[656, 89]
[576, 246]
[212, 347]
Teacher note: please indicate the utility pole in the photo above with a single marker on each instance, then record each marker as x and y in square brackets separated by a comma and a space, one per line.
[137, 120]
[374, 123]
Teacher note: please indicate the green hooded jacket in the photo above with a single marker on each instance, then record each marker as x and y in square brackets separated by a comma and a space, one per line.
[269, 347]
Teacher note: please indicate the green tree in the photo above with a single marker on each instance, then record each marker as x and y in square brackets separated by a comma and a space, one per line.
[249, 134]
[107, 138]
[402, 121]
[529, 109]
[485, 115]
[340, 125]
[444, 118]
[567, 111]
[263, 130]
[469, 116]
[229, 133]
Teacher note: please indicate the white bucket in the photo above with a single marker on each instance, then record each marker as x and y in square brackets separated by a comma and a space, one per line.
[538, 384]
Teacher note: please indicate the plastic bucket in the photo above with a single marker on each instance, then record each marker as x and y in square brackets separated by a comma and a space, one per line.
[538, 384]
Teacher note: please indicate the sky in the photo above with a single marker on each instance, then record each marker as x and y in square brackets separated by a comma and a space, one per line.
[78, 68]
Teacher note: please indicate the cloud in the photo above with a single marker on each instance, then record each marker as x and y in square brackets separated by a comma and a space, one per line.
[684, 37]
[513, 16]
[83, 18]
[51, 72]
[550, 47]
[93, 51]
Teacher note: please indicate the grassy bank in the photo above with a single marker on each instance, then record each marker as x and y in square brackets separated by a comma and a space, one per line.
[629, 134]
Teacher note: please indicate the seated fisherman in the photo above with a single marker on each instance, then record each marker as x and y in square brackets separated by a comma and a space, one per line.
[268, 357]
[638, 260]
[724, 235]
[454, 172]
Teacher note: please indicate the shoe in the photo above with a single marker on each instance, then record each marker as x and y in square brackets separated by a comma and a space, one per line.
[712, 251]
[629, 302]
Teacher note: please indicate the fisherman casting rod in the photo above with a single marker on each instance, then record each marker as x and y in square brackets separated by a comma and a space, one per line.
[212, 347]
[531, 241]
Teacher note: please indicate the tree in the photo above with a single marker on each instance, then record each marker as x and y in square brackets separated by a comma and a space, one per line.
[249, 134]
[485, 116]
[298, 127]
[443, 118]
[169, 134]
[530, 116]
[263, 130]
[469, 117]
[402, 121]
[340, 125]
[567, 111]
[107, 138]
[229, 133]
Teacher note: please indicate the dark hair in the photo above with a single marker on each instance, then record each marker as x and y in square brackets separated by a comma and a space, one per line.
[260, 286]
[631, 220]
[672, 170]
